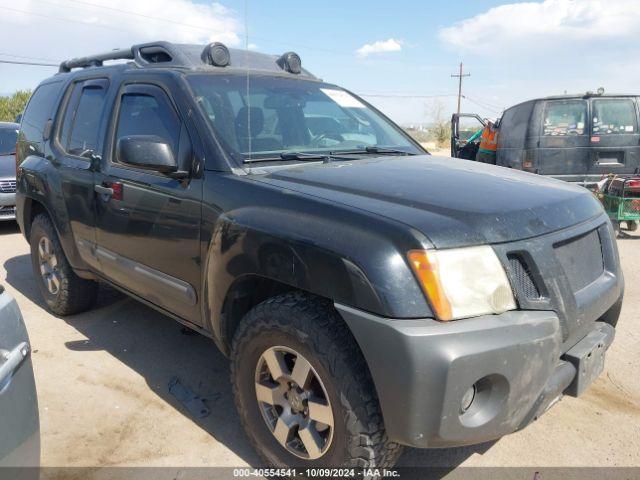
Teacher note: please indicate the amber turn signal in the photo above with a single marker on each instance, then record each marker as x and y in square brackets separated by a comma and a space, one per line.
[425, 267]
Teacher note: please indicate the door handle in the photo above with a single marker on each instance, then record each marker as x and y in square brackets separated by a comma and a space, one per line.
[106, 191]
[13, 360]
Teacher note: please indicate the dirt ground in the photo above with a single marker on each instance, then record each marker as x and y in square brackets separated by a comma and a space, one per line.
[103, 377]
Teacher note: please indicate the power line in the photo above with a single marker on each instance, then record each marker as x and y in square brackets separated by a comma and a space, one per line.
[128, 12]
[486, 107]
[188, 25]
[62, 19]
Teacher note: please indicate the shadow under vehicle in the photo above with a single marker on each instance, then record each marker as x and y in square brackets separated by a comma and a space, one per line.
[576, 138]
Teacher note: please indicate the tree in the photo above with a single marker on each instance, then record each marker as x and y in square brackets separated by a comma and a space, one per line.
[11, 106]
[440, 130]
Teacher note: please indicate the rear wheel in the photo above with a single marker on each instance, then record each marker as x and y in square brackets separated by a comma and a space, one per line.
[303, 390]
[632, 225]
[64, 292]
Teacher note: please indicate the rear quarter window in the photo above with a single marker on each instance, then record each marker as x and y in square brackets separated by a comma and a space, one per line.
[39, 110]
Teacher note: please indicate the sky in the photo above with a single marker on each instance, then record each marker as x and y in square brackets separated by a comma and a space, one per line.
[400, 55]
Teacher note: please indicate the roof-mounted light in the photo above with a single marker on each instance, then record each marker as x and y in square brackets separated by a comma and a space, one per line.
[290, 62]
[216, 54]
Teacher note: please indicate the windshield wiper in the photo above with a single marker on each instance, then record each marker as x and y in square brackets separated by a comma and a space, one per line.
[299, 156]
[376, 150]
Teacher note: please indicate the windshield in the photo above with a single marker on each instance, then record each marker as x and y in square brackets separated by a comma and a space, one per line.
[281, 115]
[8, 139]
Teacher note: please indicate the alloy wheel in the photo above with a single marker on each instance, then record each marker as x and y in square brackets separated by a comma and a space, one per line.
[294, 402]
[49, 266]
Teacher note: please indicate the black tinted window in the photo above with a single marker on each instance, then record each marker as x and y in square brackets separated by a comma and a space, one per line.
[142, 114]
[39, 110]
[8, 138]
[85, 131]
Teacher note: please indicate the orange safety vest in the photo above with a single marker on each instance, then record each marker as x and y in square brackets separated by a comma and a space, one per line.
[489, 138]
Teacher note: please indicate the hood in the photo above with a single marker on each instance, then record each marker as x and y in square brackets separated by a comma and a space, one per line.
[7, 167]
[452, 202]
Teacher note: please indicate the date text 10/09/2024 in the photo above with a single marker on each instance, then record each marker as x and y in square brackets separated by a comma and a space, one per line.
[316, 473]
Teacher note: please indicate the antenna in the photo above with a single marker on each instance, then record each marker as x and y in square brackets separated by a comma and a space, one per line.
[246, 48]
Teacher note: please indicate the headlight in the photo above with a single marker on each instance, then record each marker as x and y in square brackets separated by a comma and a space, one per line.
[463, 282]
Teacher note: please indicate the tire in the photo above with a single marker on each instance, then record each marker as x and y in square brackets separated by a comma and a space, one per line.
[63, 291]
[311, 328]
[632, 225]
[616, 228]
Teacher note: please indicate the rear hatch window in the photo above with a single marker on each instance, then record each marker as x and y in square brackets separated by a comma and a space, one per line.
[614, 116]
[8, 139]
[565, 117]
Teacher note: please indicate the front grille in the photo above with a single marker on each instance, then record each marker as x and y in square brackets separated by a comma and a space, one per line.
[581, 259]
[7, 186]
[523, 279]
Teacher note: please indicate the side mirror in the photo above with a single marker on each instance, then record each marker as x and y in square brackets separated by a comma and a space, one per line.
[146, 151]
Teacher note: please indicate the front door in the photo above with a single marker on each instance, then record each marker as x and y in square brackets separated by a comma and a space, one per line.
[464, 135]
[148, 222]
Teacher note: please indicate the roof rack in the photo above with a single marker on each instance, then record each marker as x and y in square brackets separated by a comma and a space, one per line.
[165, 53]
[95, 60]
[213, 55]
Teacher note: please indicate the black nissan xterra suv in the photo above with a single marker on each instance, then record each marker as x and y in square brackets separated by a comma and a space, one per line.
[369, 295]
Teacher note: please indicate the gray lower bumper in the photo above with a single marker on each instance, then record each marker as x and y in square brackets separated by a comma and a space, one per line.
[423, 368]
[7, 206]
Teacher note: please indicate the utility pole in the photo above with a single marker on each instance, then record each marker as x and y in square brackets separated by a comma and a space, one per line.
[459, 77]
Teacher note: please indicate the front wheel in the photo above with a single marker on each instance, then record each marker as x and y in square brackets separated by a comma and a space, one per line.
[632, 225]
[303, 390]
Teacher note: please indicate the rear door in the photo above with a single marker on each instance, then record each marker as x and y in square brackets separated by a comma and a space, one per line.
[148, 227]
[615, 139]
[564, 146]
[78, 148]
[464, 126]
[19, 423]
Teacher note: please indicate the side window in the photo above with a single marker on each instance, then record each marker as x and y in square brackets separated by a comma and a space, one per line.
[81, 125]
[38, 112]
[144, 114]
[565, 117]
[616, 115]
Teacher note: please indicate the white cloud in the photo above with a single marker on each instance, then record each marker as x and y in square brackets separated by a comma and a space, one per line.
[76, 28]
[566, 25]
[381, 46]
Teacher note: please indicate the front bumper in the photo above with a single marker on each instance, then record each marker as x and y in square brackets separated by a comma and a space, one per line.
[7, 206]
[422, 368]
